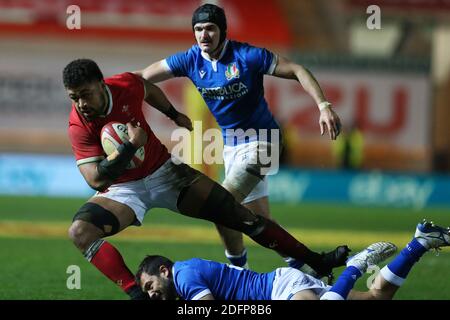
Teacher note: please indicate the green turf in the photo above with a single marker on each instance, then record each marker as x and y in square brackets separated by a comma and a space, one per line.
[36, 268]
[315, 216]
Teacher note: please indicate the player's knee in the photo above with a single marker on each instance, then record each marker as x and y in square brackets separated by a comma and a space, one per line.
[240, 184]
[90, 223]
[221, 208]
[75, 231]
[83, 234]
[233, 189]
[98, 217]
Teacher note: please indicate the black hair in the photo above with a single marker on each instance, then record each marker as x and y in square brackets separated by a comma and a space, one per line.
[211, 13]
[150, 265]
[81, 71]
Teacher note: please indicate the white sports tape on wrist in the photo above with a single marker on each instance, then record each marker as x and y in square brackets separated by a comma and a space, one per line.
[323, 105]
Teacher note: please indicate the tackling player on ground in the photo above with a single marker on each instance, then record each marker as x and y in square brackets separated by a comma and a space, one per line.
[125, 195]
[198, 279]
[229, 76]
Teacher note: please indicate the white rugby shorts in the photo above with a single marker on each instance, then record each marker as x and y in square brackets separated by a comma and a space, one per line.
[236, 159]
[289, 281]
[158, 190]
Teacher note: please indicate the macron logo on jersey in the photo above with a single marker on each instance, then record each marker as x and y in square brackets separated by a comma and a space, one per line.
[201, 73]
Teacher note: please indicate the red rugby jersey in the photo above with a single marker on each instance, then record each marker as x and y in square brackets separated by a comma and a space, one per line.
[126, 95]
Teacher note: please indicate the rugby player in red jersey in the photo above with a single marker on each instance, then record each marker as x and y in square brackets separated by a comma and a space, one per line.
[125, 195]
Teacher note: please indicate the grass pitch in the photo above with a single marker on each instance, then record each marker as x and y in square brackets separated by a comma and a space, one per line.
[35, 252]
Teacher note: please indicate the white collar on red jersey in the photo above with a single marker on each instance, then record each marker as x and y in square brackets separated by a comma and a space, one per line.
[110, 105]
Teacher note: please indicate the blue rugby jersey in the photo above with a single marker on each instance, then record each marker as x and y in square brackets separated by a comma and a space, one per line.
[232, 86]
[194, 278]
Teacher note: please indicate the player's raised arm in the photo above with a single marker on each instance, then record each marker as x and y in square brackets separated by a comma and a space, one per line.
[155, 97]
[329, 120]
[155, 72]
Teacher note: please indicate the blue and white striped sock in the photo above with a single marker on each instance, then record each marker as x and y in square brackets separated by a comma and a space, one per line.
[238, 260]
[396, 271]
[343, 285]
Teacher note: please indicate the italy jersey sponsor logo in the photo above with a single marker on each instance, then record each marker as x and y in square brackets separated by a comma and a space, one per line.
[231, 91]
[232, 71]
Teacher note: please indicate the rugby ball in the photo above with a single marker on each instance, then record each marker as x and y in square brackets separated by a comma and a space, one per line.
[113, 134]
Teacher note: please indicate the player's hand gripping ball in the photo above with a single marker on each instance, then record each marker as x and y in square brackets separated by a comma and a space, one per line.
[114, 134]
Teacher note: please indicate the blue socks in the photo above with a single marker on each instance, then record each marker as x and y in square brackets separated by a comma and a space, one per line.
[396, 271]
[343, 285]
[238, 260]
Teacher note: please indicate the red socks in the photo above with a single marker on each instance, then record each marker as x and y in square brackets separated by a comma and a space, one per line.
[273, 236]
[109, 261]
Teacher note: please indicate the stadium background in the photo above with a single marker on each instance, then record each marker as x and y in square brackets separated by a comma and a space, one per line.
[391, 84]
